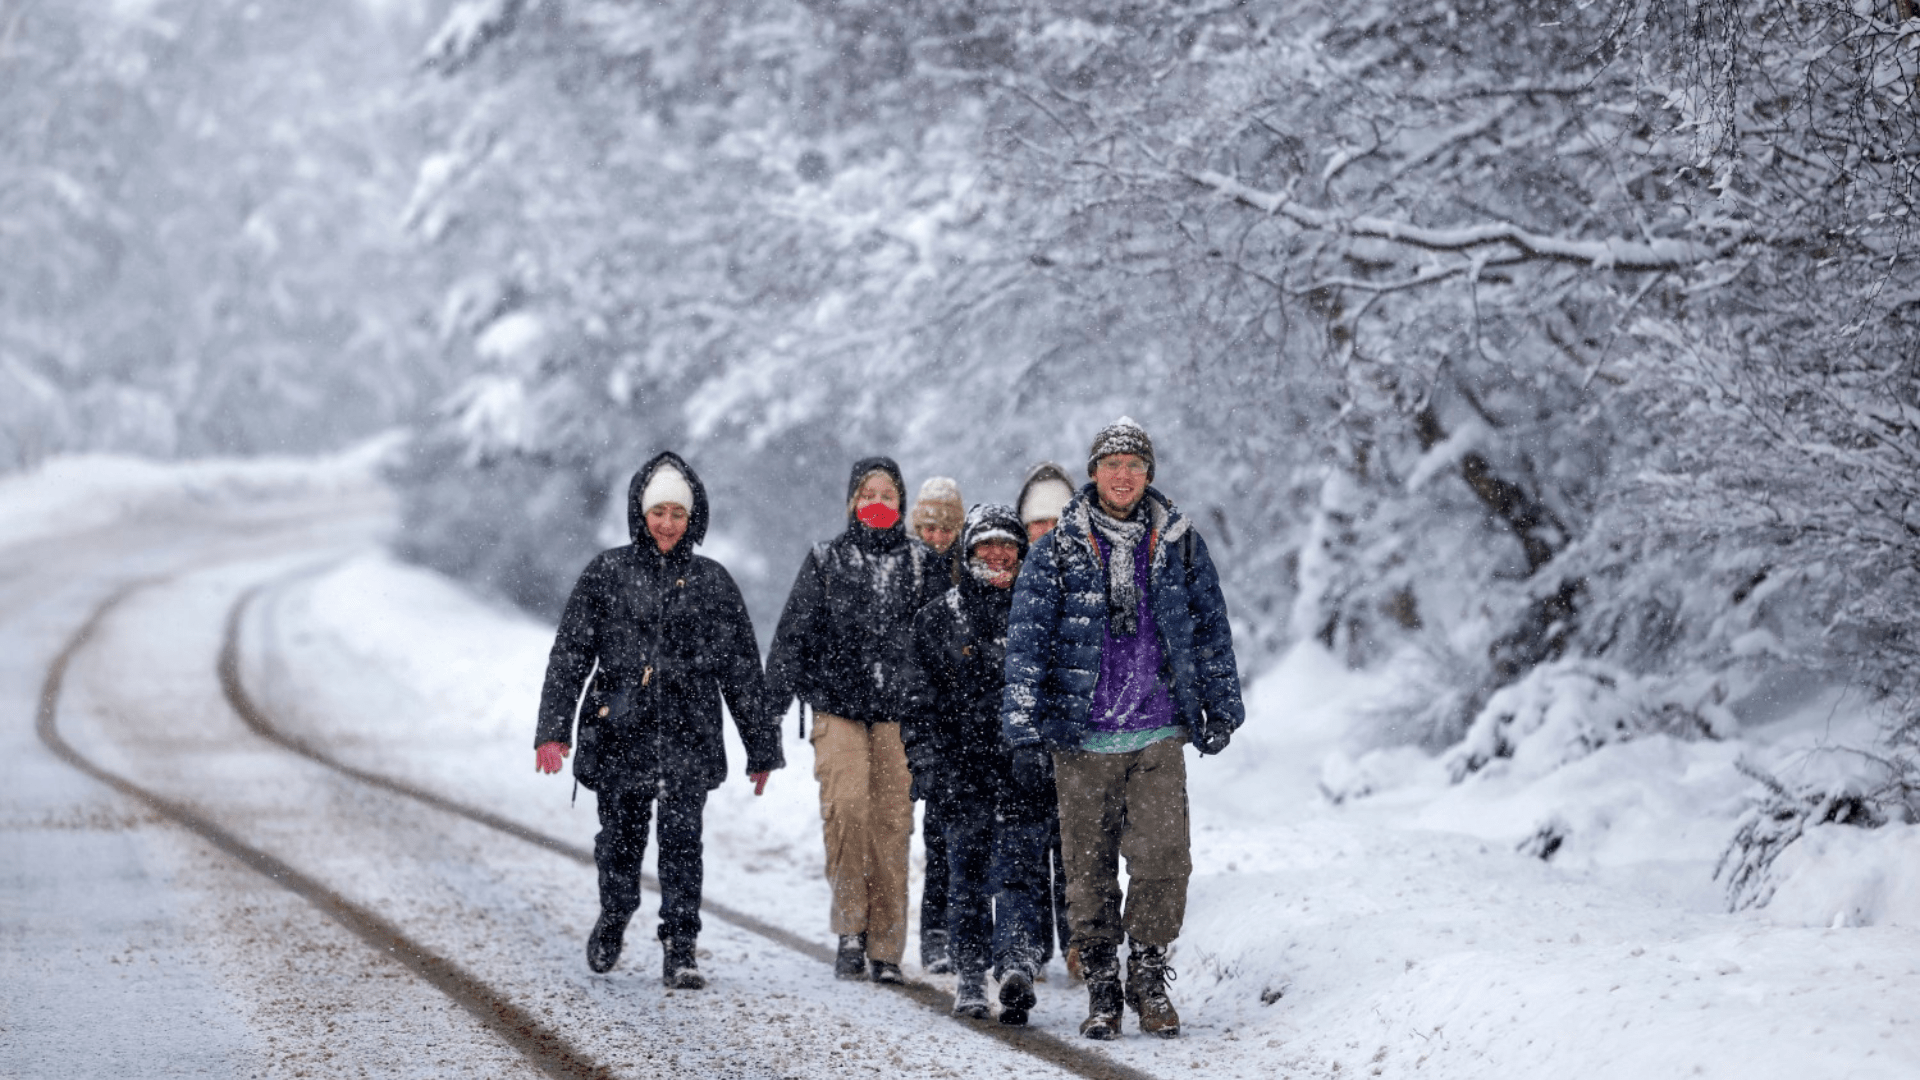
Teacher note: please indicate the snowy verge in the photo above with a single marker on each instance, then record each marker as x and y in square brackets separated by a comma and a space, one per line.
[71, 494]
[1406, 931]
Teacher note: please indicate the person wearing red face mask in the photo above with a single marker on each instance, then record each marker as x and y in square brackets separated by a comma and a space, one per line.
[839, 648]
[657, 636]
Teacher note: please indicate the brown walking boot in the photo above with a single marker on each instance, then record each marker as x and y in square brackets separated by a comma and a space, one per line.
[1147, 979]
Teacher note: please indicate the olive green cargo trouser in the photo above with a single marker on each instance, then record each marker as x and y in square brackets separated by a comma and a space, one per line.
[1132, 804]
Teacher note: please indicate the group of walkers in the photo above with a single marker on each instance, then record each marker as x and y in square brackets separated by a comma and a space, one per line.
[1031, 671]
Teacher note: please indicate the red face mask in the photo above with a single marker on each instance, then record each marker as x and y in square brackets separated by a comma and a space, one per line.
[878, 515]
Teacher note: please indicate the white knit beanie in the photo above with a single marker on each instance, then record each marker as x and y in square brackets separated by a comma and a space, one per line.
[1044, 501]
[666, 485]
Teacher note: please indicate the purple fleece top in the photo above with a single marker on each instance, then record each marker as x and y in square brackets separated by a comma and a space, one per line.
[1129, 695]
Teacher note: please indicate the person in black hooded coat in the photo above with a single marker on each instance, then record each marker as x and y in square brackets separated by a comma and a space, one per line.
[657, 636]
[996, 820]
[839, 648]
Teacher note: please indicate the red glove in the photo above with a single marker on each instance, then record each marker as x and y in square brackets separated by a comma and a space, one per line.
[549, 757]
[759, 781]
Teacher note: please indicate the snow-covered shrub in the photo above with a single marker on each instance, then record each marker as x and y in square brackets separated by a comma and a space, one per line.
[1563, 711]
[1864, 792]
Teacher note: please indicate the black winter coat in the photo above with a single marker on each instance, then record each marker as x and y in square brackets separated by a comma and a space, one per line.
[671, 637]
[842, 638]
[954, 678]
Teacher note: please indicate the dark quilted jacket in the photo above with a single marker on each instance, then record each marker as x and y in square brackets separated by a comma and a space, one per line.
[842, 637]
[956, 671]
[671, 637]
[1059, 621]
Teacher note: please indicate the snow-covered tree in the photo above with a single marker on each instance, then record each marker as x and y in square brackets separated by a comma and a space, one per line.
[199, 247]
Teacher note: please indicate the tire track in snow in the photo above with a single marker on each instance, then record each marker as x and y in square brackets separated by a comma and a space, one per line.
[546, 1050]
[1049, 1048]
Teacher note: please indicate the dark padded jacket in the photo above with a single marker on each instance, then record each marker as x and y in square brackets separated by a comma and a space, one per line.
[956, 672]
[1059, 622]
[671, 637]
[842, 638]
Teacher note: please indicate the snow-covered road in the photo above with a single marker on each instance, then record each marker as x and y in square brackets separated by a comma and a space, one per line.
[1399, 935]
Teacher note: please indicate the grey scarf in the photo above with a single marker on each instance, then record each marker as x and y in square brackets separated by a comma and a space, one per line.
[1123, 590]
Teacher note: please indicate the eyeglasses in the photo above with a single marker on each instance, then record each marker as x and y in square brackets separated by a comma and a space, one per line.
[1117, 467]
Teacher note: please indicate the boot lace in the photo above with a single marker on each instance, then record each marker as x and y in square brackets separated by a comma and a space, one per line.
[1155, 966]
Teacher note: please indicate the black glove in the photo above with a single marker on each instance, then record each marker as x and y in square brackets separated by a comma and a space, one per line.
[920, 765]
[1212, 735]
[1032, 768]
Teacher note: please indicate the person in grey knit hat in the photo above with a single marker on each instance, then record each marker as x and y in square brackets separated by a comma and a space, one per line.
[1123, 436]
[1118, 655]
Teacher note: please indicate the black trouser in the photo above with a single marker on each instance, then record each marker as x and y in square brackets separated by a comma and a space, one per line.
[933, 894]
[996, 887]
[622, 843]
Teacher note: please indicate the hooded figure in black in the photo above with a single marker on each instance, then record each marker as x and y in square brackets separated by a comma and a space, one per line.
[840, 648]
[996, 820]
[657, 636]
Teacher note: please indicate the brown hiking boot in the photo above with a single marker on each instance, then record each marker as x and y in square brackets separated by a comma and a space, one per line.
[1104, 1004]
[1075, 971]
[1147, 979]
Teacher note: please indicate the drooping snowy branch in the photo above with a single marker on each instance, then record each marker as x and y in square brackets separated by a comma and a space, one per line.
[1607, 253]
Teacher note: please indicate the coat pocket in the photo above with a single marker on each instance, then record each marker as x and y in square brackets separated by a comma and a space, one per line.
[587, 756]
[598, 715]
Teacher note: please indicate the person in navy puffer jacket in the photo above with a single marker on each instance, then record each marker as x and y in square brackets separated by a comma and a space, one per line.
[1119, 654]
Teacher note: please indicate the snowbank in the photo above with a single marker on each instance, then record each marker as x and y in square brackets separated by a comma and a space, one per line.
[78, 493]
[1841, 876]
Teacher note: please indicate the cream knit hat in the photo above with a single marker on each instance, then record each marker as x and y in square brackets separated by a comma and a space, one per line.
[938, 505]
[666, 485]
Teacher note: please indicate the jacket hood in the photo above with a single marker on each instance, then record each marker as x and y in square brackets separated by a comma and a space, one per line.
[1041, 473]
[992, 521]
[696, 514]
[877, 464]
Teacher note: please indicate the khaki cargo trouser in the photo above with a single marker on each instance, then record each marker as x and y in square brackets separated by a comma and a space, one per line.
[1132, 804]
[866, 817]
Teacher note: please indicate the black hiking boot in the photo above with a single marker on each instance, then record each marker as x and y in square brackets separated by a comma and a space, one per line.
[885, 971]
[851, 961]
[1016, 996]
[603, 944]
[1147, 979]
[970, 996]
[1101, 963]
[679, 968]
[933, 952]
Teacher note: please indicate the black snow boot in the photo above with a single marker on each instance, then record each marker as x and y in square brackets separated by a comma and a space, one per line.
[1147, 979]
[679, 969]
[1104, 1004]
[887, 972]
[603, 944]
[933, 952]
[851, 961]
[1016, 996]
[970, 996]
